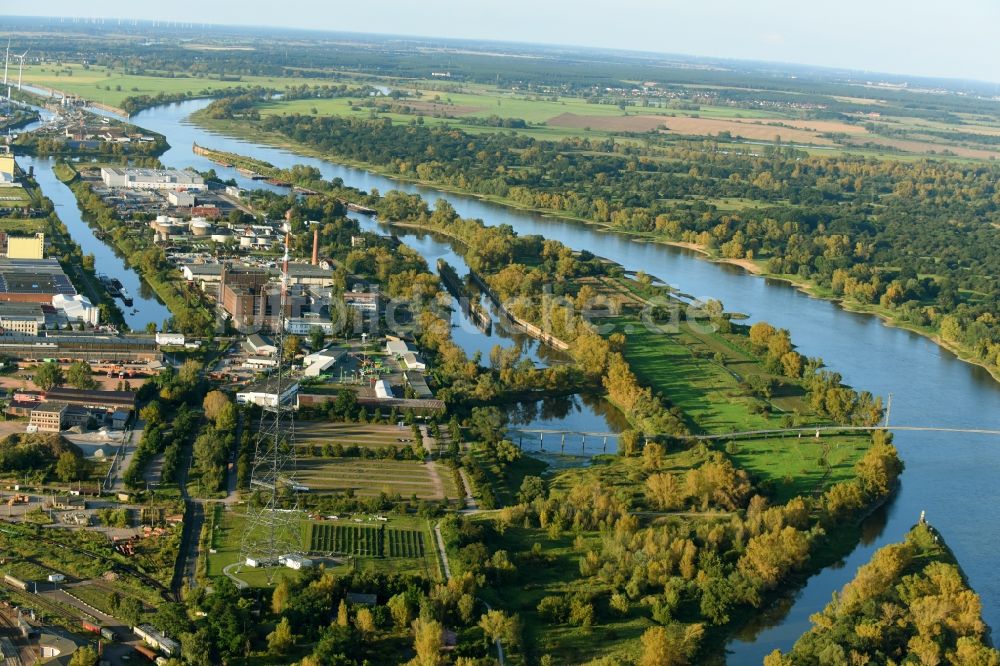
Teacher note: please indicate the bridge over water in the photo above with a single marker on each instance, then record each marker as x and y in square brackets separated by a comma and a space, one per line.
[599, 440]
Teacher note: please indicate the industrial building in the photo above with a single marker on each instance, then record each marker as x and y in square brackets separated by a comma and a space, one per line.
[298, 273]
[157, 639]
[322, 361]
[48, 417]
[307, 322]
[254, 302]
[77, 308]
[33, 280]
[151, 179]
[106, 401]
[180, 199]
[264, 395]
[80, 346]
[25, 318]
[8, 169]
[365, 302]
[258, 344]
[383, 389]
[26, 247]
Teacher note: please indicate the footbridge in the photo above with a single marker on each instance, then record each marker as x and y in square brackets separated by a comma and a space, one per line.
[551, 439]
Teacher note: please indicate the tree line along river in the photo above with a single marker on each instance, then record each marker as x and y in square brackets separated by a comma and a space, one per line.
[950, 476]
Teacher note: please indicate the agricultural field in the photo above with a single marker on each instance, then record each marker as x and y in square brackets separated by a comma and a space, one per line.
[355, 458]
[369, 477]
[547, 117]
[106, 86]
[368, 435]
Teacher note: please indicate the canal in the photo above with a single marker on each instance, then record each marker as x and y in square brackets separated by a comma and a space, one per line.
[146, 308]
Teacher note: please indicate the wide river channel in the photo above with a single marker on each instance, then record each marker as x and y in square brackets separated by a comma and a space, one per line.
[953, 477]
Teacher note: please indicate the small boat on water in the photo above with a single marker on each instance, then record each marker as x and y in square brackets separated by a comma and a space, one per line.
[122, 292]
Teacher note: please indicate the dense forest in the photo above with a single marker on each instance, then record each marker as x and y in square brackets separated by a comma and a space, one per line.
[918, 241]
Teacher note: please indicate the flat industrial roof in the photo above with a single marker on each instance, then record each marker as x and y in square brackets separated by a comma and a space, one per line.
[34, 276]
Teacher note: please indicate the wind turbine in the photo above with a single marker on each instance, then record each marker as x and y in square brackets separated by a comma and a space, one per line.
[20, 68]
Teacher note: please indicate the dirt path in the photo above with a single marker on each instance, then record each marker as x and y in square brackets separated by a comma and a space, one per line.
[471, 506]
[432, 469]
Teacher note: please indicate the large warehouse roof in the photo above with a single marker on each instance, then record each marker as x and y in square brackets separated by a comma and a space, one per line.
[34, 276]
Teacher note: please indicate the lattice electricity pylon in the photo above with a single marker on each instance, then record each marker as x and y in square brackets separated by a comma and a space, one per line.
[272, 524]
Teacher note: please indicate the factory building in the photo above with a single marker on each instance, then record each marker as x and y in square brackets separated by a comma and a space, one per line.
[8, 169]
[77, 308]
[25, 318]
[26, 247]
[151, 179]
[181, 199]
[264, 395]
[33, 281]
[48, 417]
[80, 346]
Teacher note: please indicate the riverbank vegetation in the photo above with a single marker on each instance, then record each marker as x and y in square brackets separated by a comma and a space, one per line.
[841, 226]
[909, 604]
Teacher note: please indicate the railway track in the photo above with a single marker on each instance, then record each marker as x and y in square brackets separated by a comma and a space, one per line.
[46, 604]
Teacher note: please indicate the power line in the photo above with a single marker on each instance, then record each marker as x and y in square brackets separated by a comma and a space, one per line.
[272, 522]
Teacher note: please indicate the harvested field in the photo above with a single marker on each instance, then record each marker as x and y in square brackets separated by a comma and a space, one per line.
[359, 434]
[369, 477]
[926, 147]
[824, 126]
[754, 130]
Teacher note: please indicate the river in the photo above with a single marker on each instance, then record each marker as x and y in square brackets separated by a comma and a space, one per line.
[950, 476]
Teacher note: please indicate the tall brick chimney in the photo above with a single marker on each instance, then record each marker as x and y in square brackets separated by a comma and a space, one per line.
[315, 261]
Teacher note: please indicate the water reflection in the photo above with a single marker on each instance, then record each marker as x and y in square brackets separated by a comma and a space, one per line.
[950, 476]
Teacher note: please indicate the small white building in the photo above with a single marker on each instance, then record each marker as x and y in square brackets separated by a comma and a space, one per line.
[293, 561]
[413, 362]
[396, 347]
[260, 363]
[383, 389]
[263, 395]
[170, 338]
[180, 198]
[321, 361]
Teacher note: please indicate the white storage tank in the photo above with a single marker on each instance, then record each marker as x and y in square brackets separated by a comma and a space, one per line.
[200, 227]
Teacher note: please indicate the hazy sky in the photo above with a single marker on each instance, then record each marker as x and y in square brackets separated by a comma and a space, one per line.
[956, 38]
